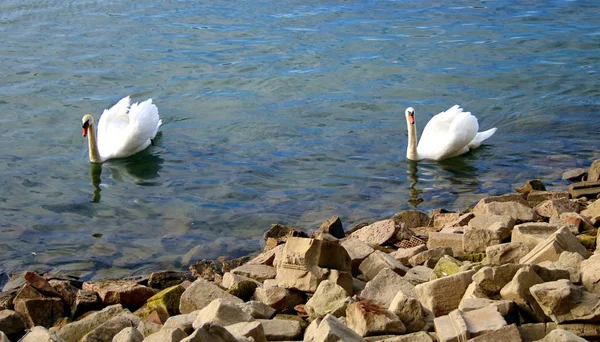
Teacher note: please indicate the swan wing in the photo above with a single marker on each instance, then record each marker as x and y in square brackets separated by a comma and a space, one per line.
[111, 125]
[448, 134]
[480, 137]
[143, 126]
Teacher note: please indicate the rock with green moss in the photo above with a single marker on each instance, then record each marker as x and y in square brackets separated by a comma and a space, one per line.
[588, 241]
[166, 301]
[475, 257]
[446, 266]
[243, 290]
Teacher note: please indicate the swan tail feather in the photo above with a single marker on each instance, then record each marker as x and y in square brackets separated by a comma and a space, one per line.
[481, 137]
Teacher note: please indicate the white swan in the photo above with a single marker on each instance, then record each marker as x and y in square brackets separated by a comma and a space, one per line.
[448, 134]
[122, 131]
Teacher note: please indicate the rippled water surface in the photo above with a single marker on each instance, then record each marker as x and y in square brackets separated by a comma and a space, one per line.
[274, 111]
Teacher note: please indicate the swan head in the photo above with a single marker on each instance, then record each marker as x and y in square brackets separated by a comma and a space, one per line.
[87, 120]
[410, 115]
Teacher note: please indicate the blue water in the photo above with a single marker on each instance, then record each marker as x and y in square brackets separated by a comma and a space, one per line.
[287, 111]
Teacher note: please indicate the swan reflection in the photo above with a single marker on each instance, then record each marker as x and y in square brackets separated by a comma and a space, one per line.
[413, 177]
[139, 169]
[429, 180]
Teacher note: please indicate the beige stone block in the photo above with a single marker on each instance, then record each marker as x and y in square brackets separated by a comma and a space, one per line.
[532, 233]
[454, 241]
[443, 295]
[550, 249]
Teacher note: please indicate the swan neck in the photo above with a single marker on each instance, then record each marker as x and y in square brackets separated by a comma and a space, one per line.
[411, 149]
[93, 145]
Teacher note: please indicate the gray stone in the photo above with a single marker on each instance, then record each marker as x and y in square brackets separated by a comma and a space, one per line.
[443, 295]
[279, 298]
[367, 319]
[184, 322]
[589, 331]
[418, 275]
[11, 323]
[420, 336]
[490, 280]
[536, 197]
[257, 309]
[482, 321]
[148, 328]
[574, 175]
[535, 331]
[256, 272]
[383, 288]
[230, 280]
[506, 308]
[563, 302]
[555, 207]
[443, 240]
[107, 330]
[165, 279]
[333, 226]
[330, 329]
[476, 240]
[575, 222]
[200, 294]
[404, 254]
[518, 211]
[167, 334]
[590, 273]
[412, 219]
[377, 233]
[248, 329]
[594, 171]
[76, 330]
[517, 290]
[40, 334]
[210, 332]
[559, 335]
[462, 220]
[377, 261]
[329, 298]
[505, 253]
[281, 329]
[268, 257]
[307, 262]
[440, 220]
[570, 262]
[430, 257]
[484, 221]
[221, 311]
[451, 327]
[592, 210]
[129, 334]
[357, 250]
[409, 311]
[506, 333]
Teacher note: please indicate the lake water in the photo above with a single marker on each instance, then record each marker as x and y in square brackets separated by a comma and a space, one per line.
[274, 112]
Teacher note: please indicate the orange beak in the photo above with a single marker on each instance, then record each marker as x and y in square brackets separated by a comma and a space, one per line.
[84, 132]
[411, 118]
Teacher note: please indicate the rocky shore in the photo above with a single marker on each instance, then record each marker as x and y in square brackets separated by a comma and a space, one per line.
[516, 267]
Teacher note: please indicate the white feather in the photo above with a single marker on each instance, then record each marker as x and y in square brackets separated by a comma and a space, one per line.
[449, 134]
[124, 130]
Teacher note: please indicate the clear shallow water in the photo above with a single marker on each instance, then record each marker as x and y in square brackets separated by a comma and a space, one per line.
[286, 112]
